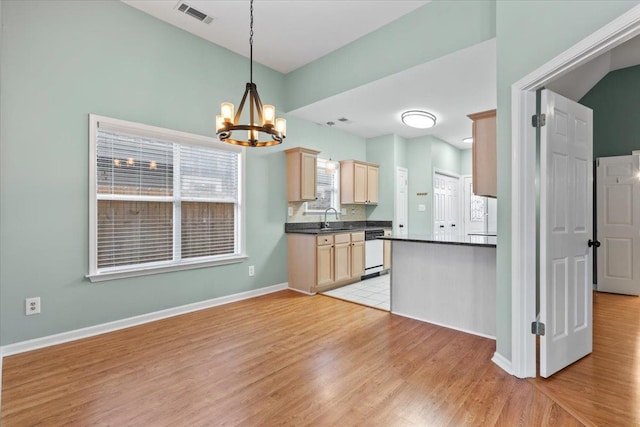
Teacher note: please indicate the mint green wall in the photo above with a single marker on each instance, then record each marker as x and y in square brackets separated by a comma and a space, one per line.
[616, 113]
[466, 165]
[554, 26]
[434, 30]
[424, 155]
[381, 150]
[400, 151]
[62, 60]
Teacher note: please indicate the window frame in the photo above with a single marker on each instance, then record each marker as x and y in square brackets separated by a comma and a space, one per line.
[336, 192]
[177, 137]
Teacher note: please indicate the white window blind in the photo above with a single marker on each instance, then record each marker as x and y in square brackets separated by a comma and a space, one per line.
[160, 200]
[327, 184]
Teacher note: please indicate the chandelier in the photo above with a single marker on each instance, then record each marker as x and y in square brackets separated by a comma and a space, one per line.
[227, 123]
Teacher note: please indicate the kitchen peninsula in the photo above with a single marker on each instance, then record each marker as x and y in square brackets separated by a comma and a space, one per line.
[447, 280]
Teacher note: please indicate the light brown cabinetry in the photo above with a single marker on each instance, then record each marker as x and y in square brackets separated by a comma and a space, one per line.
[386, 263]
[357, 254]
[358, 182]
[324, 261]
[318, 263]
[341, 260]
[484, 154]
[301, 174]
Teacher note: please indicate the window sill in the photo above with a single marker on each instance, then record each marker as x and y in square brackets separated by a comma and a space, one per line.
[123, 274]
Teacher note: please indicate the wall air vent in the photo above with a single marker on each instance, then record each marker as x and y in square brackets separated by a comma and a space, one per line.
[194, 13]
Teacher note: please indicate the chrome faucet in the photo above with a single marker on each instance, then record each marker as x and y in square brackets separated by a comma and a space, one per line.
[326, 224]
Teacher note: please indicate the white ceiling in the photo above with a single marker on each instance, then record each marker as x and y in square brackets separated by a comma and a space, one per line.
[576, 83]
[287, 33]
[291, 33]
[450, 87]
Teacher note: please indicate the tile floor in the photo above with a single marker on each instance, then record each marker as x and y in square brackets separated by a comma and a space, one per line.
[374, 292]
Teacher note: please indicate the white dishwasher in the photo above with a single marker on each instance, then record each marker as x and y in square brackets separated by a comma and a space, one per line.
[373, 251]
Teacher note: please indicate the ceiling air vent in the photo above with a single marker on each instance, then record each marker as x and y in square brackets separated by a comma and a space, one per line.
[194, 13]
[344, 120]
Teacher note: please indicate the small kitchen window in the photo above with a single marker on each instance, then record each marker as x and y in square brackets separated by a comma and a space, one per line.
[327, 187]
[161, 200]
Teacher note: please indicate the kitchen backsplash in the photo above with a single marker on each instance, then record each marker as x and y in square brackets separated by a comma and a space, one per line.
[354, 213]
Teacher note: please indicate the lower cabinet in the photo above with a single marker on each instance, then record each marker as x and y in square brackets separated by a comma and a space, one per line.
[321, 262]
[386, 263]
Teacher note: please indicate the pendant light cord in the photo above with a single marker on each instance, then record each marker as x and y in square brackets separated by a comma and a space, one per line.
[251, 43]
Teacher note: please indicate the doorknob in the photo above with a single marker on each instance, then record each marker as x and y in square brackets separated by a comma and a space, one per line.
[594, 243]
[400, 225]
[442, 226]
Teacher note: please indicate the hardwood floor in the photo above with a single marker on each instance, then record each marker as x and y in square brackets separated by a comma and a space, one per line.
[280, 359]
[603, 389]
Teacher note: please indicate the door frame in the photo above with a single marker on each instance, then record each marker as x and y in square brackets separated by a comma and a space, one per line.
[523, 177]
[397, 202]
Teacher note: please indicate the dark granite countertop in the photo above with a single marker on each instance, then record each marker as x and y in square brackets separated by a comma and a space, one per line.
[447, 239]
[334, 227]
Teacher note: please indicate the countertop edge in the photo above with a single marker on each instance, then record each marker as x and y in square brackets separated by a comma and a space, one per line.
[441, 242]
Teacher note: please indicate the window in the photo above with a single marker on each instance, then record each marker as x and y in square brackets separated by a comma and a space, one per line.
[161, 200]
[327, 192]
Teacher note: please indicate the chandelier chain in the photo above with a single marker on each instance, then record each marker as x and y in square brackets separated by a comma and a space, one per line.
[251, 42]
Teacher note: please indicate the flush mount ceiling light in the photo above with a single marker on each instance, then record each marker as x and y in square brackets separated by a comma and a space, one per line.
[227, 123]
[468, 140]
[418, 119]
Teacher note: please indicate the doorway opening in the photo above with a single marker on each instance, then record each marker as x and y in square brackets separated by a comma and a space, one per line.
[523, 176]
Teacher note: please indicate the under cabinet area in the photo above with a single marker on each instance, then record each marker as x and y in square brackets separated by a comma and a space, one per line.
[358, 182]
[301, 174]
[321, 262]
[484, 165]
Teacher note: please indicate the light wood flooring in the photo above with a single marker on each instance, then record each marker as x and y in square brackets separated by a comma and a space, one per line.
[603, 389]
[280, 359]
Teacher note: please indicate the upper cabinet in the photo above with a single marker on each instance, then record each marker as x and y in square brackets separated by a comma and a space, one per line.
[358, 182]
[301, 174]
[484, 154]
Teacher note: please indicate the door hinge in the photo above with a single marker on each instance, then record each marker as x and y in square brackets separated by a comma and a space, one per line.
[537, 328]
[598, 162]
[538, 120]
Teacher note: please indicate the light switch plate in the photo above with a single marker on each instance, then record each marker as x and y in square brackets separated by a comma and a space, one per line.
[343, 211]
[290, 211]
[422, 208]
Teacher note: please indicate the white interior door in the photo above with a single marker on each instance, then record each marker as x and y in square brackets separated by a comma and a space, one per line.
[618, 213]
[401, 223]
[475, 209]
[566, 218]
[445, 203]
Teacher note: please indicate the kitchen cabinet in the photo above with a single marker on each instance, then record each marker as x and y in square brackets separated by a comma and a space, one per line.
[301, 174]
[324, 260]
[358, 182]
[357, 254]
[321, 262]
[341, 260]
[484, 154]
[386, 264]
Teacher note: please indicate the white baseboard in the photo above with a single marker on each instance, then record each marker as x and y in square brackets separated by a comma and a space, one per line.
[34, 344]
[466, 331]
[502, 362]
[301, 291]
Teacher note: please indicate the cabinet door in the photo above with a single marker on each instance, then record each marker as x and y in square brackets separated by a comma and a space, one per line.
[357, 259]
[308, 176]
[372, 185]
[386, 264]
[341, 267]
[359, 183]
[484, 154]
[324, 265]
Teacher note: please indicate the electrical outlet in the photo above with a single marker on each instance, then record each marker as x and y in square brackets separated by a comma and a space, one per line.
[343, 211]
[252, 270]
[290, 211]
[32, 306]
